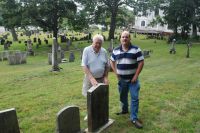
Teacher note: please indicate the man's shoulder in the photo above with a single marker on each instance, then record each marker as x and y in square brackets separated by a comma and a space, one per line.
[134, 46]
[87, 48]
[117, 48]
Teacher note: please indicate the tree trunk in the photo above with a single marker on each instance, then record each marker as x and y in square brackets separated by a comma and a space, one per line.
[14, 35]
[55, 66]
[194, 30]
[112, 26]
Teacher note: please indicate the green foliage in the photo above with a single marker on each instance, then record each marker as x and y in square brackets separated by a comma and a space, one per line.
[79, 22]
[49, 14]
[10, 13]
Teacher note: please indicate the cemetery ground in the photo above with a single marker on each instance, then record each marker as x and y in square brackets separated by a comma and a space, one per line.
[169, 94]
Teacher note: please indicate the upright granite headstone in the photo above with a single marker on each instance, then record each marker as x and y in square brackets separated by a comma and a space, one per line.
[97, 107]
[8, 121]
[68, 120]
[173, 49]
[71, 57]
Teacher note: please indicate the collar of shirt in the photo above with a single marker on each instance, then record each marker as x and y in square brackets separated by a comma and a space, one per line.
[128, 48]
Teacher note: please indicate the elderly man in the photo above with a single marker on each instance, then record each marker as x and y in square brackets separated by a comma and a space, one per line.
[127, 62]
[95, 65]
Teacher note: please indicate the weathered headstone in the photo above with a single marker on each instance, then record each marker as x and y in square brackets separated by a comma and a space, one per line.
[68, 120]
[188, 49]
[17, 58]
[39, 41]
[146, 53]
[8, 121]
[34, 39]
[62, 38]
[46, 41]
[29, 47]
[173, 50]
[97, 107]
[71, 57]
[6, 46]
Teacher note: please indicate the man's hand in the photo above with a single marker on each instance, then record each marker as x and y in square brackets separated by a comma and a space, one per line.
[93, 82]
[106, 80]
[134, 79]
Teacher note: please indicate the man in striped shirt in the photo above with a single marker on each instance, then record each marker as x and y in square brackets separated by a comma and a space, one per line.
[127, 62]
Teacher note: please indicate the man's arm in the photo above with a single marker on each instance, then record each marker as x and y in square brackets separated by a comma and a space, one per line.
[105, 75]
[138, 70]
[113, 66]
[89, 75]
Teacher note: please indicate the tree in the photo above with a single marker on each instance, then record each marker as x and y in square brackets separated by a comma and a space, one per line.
[49, 15]
[11, 16]
[112, 6]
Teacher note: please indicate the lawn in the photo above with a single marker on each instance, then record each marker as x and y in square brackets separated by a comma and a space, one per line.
[169, 95]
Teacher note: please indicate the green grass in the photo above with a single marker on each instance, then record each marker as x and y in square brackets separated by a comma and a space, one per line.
[169, 96]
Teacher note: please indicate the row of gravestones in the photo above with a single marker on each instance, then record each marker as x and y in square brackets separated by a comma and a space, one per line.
[68, 119]
[14, 57]
[61, 56]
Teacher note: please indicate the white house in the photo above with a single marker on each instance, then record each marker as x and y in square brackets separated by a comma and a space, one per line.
[142, 22]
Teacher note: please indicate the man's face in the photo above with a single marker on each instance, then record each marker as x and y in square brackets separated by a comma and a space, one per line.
[97, 45]
[125, 38]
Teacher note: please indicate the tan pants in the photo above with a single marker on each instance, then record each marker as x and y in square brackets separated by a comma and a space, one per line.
[87, 84]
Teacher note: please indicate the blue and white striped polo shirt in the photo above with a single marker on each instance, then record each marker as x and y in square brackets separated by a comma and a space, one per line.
[127, 62]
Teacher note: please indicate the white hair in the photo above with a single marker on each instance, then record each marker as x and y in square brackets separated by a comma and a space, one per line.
[98, 37]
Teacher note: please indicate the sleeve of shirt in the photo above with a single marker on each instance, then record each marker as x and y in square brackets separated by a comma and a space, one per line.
[84, 58]
[140, 56]
[112, 57]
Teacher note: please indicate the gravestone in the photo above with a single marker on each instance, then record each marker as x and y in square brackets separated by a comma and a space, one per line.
[146, 53]
[63, 38]
[81, 54]
[46, 41]
[29, 47]
[71, 57]
[173, 50]
[17, 58]
[8, 121]
[39, 41]
[6, 46]
[97, 107]
[188, 49]
[2, 41]
[68, 120]
[34, 39]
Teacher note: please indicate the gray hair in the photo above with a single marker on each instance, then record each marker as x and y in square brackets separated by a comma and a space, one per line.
[98, 37]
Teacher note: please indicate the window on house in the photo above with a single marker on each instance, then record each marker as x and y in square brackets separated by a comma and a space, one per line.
[143, 23]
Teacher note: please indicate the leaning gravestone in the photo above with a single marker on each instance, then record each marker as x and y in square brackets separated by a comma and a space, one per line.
[68, 120]
[97, 107]
[8, 121]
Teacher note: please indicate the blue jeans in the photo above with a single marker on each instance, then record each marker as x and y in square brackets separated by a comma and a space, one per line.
[134, 88]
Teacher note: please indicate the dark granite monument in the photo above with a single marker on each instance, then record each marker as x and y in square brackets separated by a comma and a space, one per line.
[71, 57]
[97, 107]
[68, 120]
[8, 121]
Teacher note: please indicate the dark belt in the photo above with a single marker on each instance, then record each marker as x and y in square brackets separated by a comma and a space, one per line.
[99, 78]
